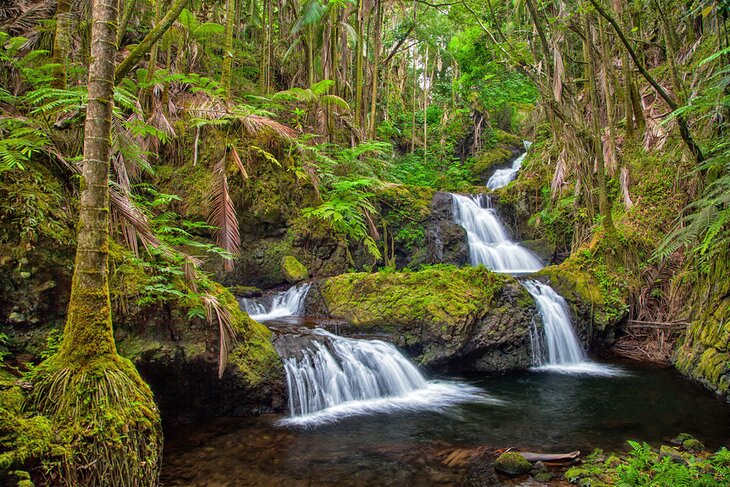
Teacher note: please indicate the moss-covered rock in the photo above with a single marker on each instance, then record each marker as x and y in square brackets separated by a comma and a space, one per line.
[294, 271]
[501, 149]
[704, 351]
[178, 357]
[512, 463]
[466, 317]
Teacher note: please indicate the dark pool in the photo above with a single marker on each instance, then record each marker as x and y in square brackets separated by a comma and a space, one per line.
[538, 411]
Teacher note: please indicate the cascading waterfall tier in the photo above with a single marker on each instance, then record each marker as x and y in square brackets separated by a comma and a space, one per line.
[556, 347]
[329, 377]
[502, 177]
[488, 241]
[288, 303]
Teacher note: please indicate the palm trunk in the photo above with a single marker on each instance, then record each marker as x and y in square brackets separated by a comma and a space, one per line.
[376, 67]
[61, 43]
[359, 53]
[228, 49]
[92, 394]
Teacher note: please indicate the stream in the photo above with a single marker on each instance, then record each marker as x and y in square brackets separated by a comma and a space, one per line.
[361, 413]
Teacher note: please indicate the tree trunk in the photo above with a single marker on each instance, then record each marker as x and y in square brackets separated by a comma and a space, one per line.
[604, 203]
[228, 49]
[61, 43]
[93, 396]
[359, 54]
[376, 66]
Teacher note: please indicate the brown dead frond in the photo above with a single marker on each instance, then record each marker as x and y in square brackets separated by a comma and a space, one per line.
[132, 222]
[223, 214]
[221, 316]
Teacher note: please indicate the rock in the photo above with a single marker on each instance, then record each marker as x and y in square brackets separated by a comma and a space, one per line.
[543, 477]
[667, 451]
[245, 291]
[539, 467]
[459, 318]
[693, 445]
[445, 241]
[294, 271]
[512, 463]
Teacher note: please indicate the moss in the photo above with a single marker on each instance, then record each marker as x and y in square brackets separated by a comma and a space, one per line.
[294, 271]
[489, 159]
[693, 445]
[512, 463]
[440, 295]
[245, 291]
[25, 437]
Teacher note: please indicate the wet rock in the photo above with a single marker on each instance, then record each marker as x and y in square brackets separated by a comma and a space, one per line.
[693, 445]
[445, 241]
[538, 467]
[543, 477]
[512, 463]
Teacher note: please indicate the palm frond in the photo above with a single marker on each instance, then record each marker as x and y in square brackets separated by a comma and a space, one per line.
[223, 214]
[221, 316]
[133, 222]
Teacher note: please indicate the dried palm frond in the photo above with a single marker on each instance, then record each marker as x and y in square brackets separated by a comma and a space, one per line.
[237, 159]
[221, 316]
[223, 214]
[134, 224]
[22, 17]
[190, 271]
[255, 124]
[558, 181]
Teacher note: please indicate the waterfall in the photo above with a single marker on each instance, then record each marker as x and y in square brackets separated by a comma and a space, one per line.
[333, 376]
[563, 347]
[288, 303]
[489, 243]
[502, 177]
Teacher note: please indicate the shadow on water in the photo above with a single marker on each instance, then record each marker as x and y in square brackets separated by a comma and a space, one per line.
[537, 410]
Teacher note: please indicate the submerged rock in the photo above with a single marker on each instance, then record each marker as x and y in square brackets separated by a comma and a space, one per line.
[460, 318]
[512, 463]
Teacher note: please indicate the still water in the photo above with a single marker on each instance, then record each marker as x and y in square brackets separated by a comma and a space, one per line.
[535, 410]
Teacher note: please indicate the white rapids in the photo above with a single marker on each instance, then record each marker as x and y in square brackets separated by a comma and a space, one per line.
[502, 177]
[336, 377]
[288, 303]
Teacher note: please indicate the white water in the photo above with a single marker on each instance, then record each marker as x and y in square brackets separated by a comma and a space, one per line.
[289, 303]
[502, 177]
[338, 377]
[489, 243]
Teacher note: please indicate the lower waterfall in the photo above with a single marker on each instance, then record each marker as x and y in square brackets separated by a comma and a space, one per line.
[329, 377]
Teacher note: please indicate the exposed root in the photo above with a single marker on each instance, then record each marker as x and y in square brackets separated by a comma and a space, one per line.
[107, 416]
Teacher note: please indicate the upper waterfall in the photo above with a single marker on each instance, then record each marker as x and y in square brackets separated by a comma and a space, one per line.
[502, 177]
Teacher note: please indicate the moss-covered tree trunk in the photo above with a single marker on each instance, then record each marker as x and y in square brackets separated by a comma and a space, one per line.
[228, 49]
[100, 405]
[61, 43]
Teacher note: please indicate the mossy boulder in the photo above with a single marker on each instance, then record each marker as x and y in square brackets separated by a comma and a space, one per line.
[294, 271]
[512, 463]
[467, 318]
[178, 357]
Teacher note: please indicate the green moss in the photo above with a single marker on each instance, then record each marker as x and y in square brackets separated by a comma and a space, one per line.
[512, 463]
[490, 158]
[439, 295]
[294, 271]
[245, 291]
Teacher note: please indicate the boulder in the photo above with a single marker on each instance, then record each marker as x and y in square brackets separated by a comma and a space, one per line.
[461, 318]
[294, 271]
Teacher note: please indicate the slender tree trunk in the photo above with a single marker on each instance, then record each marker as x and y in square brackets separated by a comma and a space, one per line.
[359, 54]
[92, 394]
[226, 72]
[376, 65]
[61, 43]
[126, 16]
[607, 90]
[603, 202]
